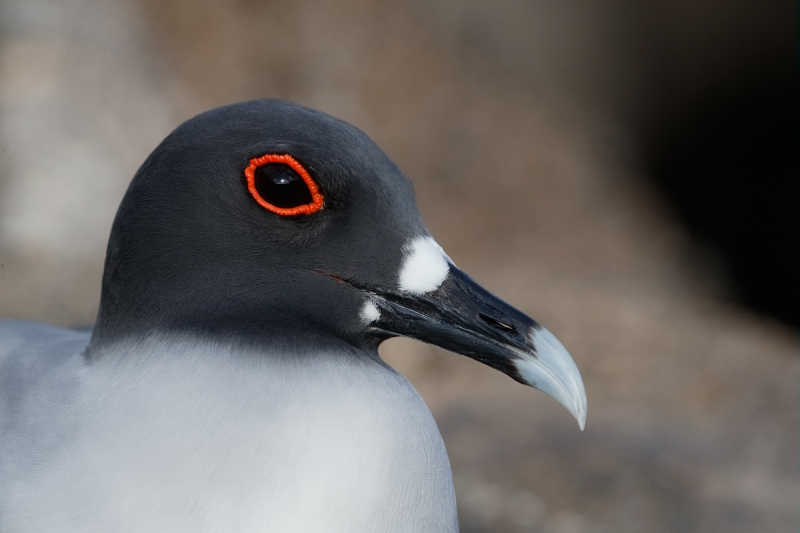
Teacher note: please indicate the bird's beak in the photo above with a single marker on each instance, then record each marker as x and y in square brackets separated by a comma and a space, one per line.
[462, 317]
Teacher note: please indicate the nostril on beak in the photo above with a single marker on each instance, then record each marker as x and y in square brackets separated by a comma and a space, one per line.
[497, 324]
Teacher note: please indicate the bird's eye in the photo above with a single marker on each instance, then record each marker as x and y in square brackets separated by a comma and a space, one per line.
[280, 184]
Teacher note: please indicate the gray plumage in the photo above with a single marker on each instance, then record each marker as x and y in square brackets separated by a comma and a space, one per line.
[192, 435]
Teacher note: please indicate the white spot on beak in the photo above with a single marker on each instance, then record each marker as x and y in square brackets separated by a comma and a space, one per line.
[369, 313]
[425, 266]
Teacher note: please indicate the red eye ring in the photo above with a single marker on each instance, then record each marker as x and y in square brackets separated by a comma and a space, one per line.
[286, 159]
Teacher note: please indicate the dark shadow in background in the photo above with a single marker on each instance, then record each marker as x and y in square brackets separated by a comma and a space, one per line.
[729, 167]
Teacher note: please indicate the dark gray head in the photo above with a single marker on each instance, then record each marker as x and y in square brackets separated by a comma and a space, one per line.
[192, 248]
[198, 247]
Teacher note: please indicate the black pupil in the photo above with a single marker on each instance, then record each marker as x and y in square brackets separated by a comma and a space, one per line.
[281, 186]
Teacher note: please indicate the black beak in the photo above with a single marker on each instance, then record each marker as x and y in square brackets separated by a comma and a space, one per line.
[464, 318]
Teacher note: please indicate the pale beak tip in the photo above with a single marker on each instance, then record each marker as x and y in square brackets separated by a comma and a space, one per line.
[581, 416]
[550, 369]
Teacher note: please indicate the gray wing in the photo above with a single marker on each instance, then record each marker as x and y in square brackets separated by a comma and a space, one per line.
[38, 376]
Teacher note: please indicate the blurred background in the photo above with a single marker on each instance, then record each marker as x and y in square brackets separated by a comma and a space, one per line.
[623, 171]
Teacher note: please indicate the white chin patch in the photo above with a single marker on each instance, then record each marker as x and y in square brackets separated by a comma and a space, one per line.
[369, 313]
[425, 266]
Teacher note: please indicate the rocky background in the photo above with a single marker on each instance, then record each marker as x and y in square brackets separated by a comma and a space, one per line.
[622, 171]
